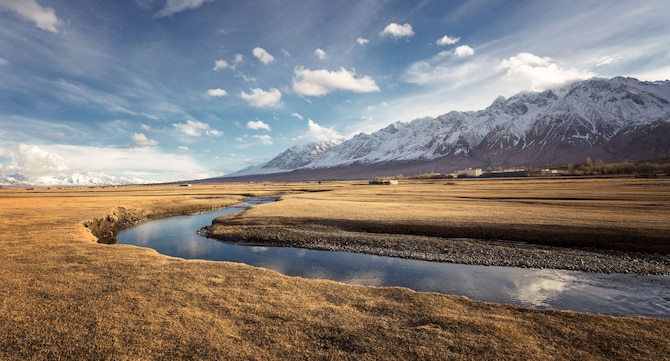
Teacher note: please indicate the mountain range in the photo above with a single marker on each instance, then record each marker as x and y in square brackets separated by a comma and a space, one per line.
[609, 119]
[70, 180]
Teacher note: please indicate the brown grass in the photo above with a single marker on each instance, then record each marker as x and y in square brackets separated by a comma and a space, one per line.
[620, 213]
[63, 296]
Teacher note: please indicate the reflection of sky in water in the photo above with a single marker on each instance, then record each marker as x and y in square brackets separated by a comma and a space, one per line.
[541, 288]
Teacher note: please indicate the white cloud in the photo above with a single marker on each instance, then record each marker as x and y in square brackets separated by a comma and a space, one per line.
[263, 99]
[218, 92]
[263, 56]
[604, 60]
[238, 58]
[362, 41]
[264, 139]
[3, 61]
[196, 129]
[246, 78]
[183, 147]
[44, 18]
[397, 30]
[138, 162]
[146, 127]
[319, 133]
[538, 73]
[257, 125]
[298, 116]
[175, 6]
[463, 51]
[31, 161]
[286, 53]
[220, 65]
[320, 53]
[141, 140]
[320, 82]
[447, 40]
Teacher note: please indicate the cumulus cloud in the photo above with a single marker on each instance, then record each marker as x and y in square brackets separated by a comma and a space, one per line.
[320, 54]
[362, 41]
[320, 82]
[141, 140]
[263, 56]
[397, 31]
[218, 92]
[319, 133]
[264, 139]
[32, 161]
[175, 6]
[463, 51]
[220, 65]
[447, 40]
[539, 73]
[39, 164]
[43, 17]
[263, 99]
[257, 125]
[196, 129]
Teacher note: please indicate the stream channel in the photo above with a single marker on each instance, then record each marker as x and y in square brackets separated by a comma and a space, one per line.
[612, 294]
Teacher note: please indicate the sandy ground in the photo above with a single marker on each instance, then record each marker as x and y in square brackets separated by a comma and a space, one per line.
[64, 296]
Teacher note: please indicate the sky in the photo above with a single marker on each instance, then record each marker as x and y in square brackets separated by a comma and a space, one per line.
[169, 90]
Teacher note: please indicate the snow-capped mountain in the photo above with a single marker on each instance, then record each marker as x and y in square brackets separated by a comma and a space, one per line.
[292, 158]
[610, 119]
[73, 179]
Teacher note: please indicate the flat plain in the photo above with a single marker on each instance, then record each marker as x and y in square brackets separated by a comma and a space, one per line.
[65, 296]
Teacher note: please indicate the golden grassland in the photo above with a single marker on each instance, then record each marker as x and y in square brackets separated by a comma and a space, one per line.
[611, 213]
[64, 296]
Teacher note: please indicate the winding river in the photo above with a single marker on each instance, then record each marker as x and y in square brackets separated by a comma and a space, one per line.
[613, 294]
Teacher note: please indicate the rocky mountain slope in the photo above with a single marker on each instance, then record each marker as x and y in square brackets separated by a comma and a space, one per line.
[609, 119]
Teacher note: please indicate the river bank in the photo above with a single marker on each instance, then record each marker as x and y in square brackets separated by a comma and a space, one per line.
[452, 250]
[590, 225]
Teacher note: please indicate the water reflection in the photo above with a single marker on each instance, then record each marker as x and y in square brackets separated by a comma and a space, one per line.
[540, 288]
[543, 288]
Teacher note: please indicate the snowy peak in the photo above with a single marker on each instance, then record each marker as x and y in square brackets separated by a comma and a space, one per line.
[68, 180]
[529, 128]
[292, 158]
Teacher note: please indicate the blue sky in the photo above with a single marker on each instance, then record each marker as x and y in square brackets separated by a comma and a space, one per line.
[165, 90]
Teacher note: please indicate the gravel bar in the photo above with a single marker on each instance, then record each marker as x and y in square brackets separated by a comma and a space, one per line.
[452, 250]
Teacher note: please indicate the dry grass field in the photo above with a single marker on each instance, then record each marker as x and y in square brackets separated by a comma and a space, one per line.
[64, 296]
[617, 213]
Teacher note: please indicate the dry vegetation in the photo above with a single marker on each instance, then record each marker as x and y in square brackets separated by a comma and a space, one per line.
[64, 296]
[618, 213]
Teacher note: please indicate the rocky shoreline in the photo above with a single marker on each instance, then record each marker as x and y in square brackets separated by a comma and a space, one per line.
[452, 250]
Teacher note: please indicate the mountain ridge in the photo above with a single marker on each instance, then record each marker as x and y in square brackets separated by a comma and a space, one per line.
[611, 119]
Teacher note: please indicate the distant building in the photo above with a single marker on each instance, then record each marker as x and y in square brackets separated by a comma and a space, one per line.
[467, 173]
[473, 172]
[383, 181]
[548, 172]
